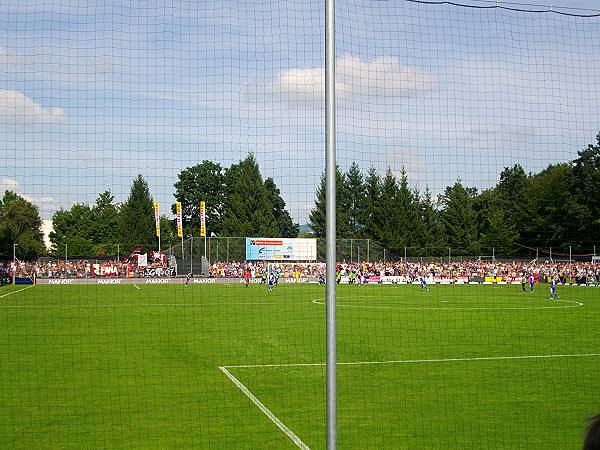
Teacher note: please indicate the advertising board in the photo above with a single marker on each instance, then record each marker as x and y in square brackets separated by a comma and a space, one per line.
[280, 249]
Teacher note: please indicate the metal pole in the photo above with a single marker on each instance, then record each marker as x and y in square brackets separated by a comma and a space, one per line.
[537, 254]
[14, 263]
[368, 245]
[66, 247]
[351, 252]
[191, 253]
[405, 254]
[569, 254]
[330, 220]
[227, 258]
[493, 253]
[118, 251]
[448, 255]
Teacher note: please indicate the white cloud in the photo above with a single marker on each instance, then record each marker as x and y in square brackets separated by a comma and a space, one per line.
[17, 108]
[8, 184]
[8, 58]
[45, 203]
[382, 77]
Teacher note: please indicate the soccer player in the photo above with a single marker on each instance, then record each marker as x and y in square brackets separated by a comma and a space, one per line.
[531, 283]
[247, 278]
[271, 281]
[553, 289]
[321, 279]
[523, 282]
[424, 282]
[188, 278]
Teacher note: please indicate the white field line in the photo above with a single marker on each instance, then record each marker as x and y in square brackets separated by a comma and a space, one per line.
[14, 292]
[301, 444]
[289, 433]
[574, 304]
[137, 305]
[417, 361]
[137, 287]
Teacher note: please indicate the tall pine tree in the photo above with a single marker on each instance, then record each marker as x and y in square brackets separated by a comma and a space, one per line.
[459, 219]
[318, 213]
[248, 210]
[137, 219]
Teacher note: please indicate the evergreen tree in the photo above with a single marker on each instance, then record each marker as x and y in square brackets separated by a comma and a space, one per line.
[585, 187]
[318, 214]
[387, 220]
[459, 219]
[552, 210]
[499, 234]
[137, 219]
[285, 224]
[410, 223]
[434, 242]
[248, 209]
[356, 201]
[20, 224]
[372, 201]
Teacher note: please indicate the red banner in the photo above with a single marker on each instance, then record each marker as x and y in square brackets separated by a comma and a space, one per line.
[109, 270]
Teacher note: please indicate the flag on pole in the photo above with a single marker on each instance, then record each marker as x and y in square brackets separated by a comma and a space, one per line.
[179, 226]
[156, 218]
[202, 219]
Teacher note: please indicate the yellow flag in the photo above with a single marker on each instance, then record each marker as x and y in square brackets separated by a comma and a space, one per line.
[202, 219]
[179, 226]
[156, 218]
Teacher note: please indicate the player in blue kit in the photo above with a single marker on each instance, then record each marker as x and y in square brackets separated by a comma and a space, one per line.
[424, 282]
[271, 281]
[531, 283]
[553, 289]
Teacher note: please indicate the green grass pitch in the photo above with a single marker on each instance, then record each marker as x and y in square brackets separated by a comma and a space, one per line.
[458, 367]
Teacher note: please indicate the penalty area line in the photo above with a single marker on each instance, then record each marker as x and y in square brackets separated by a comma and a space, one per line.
[14, 292]
[289, 433]
[419, 361]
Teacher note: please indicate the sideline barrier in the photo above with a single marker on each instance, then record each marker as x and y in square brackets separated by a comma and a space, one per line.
[387, 280]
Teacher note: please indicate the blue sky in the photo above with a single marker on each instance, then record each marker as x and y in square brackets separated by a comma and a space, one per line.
[92, 93]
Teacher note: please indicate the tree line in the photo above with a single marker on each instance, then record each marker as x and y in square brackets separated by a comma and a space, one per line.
[239, 203]
[557, 208]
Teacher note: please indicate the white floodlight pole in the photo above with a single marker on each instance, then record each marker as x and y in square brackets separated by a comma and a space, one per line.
[330, 173]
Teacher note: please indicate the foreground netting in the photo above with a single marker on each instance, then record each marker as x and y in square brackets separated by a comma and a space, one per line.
[157, 157]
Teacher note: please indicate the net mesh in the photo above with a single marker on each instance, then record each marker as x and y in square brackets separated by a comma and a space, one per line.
[467, 278]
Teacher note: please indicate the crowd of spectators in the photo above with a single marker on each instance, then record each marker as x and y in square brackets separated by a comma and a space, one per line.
[589, 271]
[481, 269]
